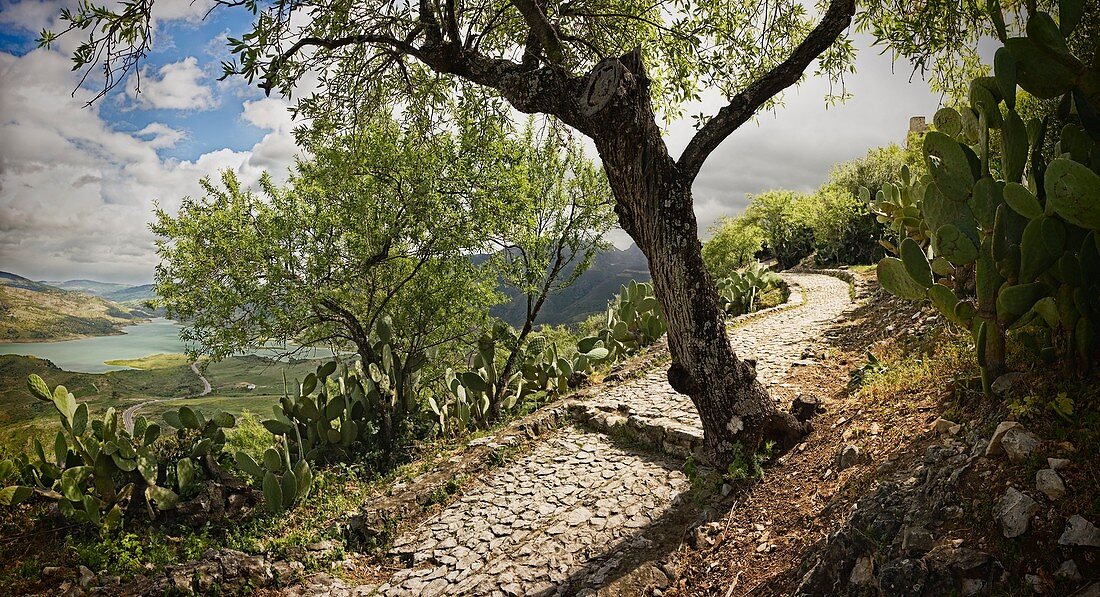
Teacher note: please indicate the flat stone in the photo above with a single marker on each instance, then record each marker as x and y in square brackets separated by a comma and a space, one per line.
[994, 448]
[1057, 463]
[1080, 532]
[1014, 511]
[943, 426]
[1018, 444]
[1048, 482]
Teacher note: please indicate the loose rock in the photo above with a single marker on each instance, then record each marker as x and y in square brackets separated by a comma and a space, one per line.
[994, 446]
[863, 573]
[1080, 532]
[1014, 512]
[1004, 383]
[1048, 482]
[1068, 571]
[943, 426]
[849, 456]
[1018, 444]
[1057, 463]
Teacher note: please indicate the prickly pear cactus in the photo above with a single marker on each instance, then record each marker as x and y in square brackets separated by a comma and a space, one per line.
[1000, 244]
[97, 467]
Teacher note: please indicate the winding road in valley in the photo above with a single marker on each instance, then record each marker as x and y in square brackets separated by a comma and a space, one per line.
[128, 414]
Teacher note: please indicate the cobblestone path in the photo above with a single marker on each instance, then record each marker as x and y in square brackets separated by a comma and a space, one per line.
[559, 520]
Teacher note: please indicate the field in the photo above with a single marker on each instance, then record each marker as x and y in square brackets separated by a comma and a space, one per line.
[158, 383]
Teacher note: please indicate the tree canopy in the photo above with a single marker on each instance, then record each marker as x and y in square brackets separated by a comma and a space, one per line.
[373, 225]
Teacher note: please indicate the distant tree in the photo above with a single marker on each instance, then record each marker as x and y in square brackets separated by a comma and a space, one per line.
[733, 244]
[879, 166]
[375, 224]
[784, 219]
[845, 231]
[562, 207]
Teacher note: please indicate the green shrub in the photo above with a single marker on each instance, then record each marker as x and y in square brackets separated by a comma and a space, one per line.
[742, 292]
[734, 243]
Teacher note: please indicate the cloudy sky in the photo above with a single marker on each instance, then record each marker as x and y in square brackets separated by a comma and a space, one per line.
[78, 185]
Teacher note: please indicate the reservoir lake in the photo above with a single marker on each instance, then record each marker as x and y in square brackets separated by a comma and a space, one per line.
[87, 355]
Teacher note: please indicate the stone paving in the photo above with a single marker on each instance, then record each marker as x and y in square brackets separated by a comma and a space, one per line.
[535, 524]
[777, 341]
[557, 521]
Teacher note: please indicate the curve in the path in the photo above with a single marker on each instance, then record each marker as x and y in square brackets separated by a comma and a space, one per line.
[560, 520]
[777, 341]
[128, 414]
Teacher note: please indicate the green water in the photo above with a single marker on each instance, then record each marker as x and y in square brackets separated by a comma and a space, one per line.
[159, 336]
[88, 354]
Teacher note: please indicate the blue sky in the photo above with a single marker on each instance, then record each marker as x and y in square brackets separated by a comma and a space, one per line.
[207, 129]
[78, 186]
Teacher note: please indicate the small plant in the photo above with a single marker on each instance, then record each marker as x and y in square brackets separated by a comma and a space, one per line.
[284, 483]
[741, 292]
[873, 366]
[634, 320]
[1032, 406]
[744, 467]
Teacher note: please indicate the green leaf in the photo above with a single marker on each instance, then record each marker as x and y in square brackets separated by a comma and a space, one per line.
[273, 492]
[65, 403]
[189, 418]
[38, 388]
[164, 498]
[10, 496]
[80, 419]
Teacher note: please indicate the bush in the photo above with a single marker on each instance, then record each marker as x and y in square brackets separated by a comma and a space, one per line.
[844, 229]
[733, 245]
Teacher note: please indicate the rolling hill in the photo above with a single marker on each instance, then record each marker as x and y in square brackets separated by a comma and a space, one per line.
[31, 311]
[93, 287]
[134, 297]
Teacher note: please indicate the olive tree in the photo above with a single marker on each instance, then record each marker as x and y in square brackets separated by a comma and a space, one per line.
[373, 225]
[611, 69]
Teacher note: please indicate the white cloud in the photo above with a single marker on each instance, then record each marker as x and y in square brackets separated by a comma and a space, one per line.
[160, 136]
[176, 86]
[76, 196]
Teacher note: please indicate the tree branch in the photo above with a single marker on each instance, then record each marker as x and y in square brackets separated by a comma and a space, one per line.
[272, 69]
[541, 27]
[748, 101]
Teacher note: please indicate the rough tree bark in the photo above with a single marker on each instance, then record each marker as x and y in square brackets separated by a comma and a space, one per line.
[655, 207]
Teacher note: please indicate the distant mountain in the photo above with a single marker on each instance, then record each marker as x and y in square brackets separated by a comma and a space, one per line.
[92, 287]
[32, 311]
[132, 295]
[589, 293]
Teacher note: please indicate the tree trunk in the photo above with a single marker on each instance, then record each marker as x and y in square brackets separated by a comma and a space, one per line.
[654, 205]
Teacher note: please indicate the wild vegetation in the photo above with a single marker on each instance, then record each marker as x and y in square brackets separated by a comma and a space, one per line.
[1007, 241]
[368, 249]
